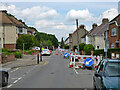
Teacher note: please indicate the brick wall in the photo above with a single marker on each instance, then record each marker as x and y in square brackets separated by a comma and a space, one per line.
[113, 39]
[9, 46]
[8, 58]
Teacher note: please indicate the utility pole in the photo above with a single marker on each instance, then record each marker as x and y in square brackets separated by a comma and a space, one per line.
[23, 49]
[40, 50]
[77, 35]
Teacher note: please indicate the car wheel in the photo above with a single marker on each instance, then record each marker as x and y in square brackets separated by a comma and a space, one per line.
[4, 80]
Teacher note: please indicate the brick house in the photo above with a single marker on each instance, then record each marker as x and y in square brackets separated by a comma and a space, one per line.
[70, 41]
[81, 31]
[96, 35]
[112, 35]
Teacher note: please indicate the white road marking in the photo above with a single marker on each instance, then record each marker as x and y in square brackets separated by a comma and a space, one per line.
[15, 81]
[76, 71]
[19, 78]
[9, 85]
[15, 70]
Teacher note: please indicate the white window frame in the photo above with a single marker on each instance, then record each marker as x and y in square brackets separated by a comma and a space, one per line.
[113, 31]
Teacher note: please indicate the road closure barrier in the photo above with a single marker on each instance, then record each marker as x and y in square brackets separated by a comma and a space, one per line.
[79, 61]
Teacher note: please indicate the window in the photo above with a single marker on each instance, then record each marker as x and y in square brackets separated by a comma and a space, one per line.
[97, 47]
[113, 32]
[112, 45]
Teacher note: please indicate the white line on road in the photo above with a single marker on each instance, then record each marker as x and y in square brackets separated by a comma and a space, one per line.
[9, 85]
[76, 71]
[15, 70]
[15, 81]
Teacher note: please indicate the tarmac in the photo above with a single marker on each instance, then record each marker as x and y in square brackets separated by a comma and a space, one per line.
[27, 60]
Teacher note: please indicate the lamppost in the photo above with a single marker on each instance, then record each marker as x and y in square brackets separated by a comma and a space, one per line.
[77, 35]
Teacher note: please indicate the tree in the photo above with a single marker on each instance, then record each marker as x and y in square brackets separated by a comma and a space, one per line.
[74, 47]
[28, 41]
[66, 46]
[81, 46]
[62, 43]
[88, 48]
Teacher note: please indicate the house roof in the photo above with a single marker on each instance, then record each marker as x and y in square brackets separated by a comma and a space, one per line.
[4, 18]
[84, 35]
[66, 39]
[118, 22]
[18, 23]
[99, 30]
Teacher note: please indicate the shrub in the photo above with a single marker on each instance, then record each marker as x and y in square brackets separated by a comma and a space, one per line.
[5, 50]
[18, 55]
[81, 46]
[67, 47]
[99, 51]
[88, 48]
[74, 47]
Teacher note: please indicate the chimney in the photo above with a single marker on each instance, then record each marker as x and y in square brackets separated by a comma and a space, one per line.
[23, 23]
[81, 27]
[105, 20]
[20, 20]
[5, 11]
[94, 26]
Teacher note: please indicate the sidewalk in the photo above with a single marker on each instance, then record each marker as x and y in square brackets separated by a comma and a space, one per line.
[27, 60]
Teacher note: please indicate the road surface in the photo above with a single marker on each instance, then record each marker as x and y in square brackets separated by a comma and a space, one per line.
[54, 74]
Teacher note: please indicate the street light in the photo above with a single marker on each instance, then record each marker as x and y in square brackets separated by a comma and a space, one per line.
[77, 34]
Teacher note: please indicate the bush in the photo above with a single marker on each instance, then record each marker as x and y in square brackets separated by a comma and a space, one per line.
[99, 51]
[109, 51]
[5, 50]
[74, 47]
[88, 48]
[67, 47]
[18, 55]
[81, 46]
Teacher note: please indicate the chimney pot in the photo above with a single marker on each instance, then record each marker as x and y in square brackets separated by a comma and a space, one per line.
[81, 27]
[105, 20]
[5, 11]
[94, 26]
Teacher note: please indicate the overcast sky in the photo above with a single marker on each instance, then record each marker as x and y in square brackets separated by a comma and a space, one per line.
[59, 17]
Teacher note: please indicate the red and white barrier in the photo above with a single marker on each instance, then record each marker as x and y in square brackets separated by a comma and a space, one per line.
[80, 60]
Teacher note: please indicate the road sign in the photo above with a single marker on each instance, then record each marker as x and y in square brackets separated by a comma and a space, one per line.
[66, 54]
[88, 62]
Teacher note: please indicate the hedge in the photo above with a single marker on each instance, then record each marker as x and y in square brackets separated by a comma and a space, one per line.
[109, 51]
[18, 55]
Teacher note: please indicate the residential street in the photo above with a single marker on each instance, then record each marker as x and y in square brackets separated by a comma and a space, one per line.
[54, 74]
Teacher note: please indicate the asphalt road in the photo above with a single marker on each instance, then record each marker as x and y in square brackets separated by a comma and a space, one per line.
[54, 74]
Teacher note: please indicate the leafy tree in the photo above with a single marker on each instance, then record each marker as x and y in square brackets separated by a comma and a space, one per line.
[81, 46]
[74, 47]
[88, 48]
[62, 43]
[28, 41]
[67, 47]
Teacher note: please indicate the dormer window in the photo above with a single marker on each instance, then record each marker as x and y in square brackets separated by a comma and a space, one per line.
[114, 32]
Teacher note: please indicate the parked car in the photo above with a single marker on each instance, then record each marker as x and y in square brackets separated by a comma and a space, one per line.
[36, 48]
[46, 52]
[107, 75]
[3, 77]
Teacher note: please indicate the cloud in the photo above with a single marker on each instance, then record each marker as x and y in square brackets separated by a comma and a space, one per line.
[82, 15]
[31, 14]
[57, 28]
[110, 14]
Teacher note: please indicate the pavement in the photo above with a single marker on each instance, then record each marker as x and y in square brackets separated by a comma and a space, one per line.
[55, 74]
[27, 60]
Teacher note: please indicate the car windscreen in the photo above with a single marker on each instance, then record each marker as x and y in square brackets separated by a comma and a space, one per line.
[112, 69]
[45, 50]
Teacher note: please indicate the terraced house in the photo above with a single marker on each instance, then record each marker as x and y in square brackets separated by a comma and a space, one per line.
[96, 35]
[81, 32]
[9, 29]
[112, 35]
